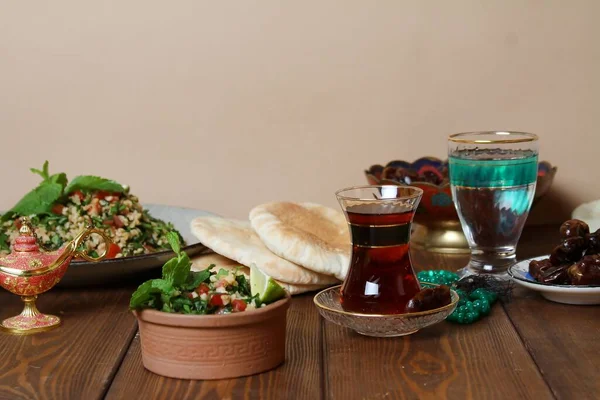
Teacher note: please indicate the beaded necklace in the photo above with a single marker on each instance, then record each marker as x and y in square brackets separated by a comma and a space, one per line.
[474, 303]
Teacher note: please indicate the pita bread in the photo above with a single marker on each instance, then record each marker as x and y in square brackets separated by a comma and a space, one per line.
[308, 234]
[202, 262]
[236, 240]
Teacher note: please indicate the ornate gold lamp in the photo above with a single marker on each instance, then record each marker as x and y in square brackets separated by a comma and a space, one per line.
[28, 272]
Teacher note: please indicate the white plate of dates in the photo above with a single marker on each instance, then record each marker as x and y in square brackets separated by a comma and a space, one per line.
[570, 274]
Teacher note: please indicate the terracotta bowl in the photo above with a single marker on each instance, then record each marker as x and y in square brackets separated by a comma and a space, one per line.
[213, 346]
[437, 227]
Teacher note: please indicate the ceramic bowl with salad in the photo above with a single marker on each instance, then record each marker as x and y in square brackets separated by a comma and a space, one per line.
[61, 208]
[210, 324]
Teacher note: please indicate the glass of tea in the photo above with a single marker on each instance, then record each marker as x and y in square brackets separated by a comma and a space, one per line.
[492, 178]
[380, 279]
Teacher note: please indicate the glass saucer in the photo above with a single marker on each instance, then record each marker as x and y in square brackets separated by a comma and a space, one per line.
[379, 325]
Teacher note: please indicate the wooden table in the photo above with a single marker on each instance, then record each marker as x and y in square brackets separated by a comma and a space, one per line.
[527, 349]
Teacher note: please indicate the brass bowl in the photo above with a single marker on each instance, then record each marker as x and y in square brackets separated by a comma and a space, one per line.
[379, 325]
[436, 226]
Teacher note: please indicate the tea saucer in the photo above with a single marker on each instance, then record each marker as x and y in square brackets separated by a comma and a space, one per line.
[379, 325]
[566, 294]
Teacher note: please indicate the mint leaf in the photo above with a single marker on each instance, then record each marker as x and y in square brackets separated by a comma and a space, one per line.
[173, 239]
[142, 295]
[41, 199]
[169, 268]
[196, 278]
[90, 183]
[43, 173]
[38, 201]
[61, 179]
[182, 270]
[164, 286]
[177, 270]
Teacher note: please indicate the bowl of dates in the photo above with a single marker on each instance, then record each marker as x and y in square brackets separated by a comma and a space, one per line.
[571, 272]
[437, 227]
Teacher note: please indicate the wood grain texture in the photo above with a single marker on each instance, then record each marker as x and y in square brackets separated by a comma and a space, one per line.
[300, 376]
[563, 340]
[446, 361]
[76, 360]
[483, 360]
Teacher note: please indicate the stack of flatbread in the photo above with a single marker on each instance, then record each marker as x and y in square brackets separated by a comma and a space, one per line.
[303, 246]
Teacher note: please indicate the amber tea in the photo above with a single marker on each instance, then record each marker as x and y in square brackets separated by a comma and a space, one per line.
[380, 279]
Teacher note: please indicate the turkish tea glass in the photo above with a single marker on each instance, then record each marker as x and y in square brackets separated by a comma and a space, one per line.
[492, 178]
[380, 279]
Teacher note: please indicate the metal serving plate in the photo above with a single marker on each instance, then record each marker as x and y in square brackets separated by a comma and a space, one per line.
[119, 270]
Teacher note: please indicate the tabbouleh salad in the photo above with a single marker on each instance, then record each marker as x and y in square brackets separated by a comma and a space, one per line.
[183, 291]
[59, 210]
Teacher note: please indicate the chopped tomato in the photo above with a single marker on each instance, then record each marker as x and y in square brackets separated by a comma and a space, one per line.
[216, 300]
[113, 250]
[109, 222]
[239, 305]
[190, 296]
[58, 209]
[118, 221]
[79, 194]
[18, 223]
[102, 195]
[202, 288]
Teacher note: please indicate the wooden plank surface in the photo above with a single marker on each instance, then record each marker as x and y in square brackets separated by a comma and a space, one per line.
[563, 340]
[74, 361]
[300, 376]
[483, 360]
[94, 354]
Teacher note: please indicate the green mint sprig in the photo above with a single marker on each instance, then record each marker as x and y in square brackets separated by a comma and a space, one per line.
[163, 294]
[55, 187]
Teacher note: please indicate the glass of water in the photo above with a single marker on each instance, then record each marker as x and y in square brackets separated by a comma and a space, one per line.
[492, 177]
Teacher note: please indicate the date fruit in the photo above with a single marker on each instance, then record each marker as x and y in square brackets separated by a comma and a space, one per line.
[586, 271]
[573, 228]
[429, 299]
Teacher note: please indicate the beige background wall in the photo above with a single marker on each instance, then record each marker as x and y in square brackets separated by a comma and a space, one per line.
[222, 105]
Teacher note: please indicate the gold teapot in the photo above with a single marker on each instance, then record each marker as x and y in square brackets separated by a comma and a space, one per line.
[28, 272]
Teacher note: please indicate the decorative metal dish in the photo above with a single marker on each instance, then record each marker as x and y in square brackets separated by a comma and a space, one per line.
[83, 273]
[566, 294]
[379, 325]
[437, 227]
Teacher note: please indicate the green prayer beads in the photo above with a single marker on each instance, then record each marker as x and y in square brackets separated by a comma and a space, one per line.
[471, 306]
[438, 277]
